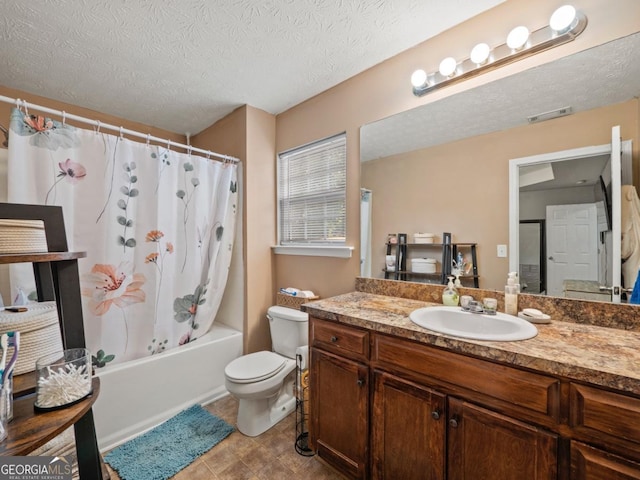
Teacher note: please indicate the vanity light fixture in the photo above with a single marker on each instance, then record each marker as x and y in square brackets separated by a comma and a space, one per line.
[517, 38]
[448, 67]
[565, 24]
[480, 54]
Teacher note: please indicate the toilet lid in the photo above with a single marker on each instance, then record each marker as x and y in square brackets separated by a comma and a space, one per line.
[254, 367]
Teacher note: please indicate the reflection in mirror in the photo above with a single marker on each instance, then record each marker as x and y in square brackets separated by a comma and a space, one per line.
[572, 192]
[443, 166]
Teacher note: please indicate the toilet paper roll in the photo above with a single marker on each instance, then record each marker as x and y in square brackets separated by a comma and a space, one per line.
[302, 357]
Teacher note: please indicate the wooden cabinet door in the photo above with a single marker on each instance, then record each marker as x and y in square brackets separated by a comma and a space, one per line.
[408, 425]
[339, 390]
[588, 463]
[484, 445]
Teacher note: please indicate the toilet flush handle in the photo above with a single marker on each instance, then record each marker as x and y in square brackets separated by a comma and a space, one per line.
[269, 317]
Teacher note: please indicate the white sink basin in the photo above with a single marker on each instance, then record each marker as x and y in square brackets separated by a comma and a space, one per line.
[458, 323]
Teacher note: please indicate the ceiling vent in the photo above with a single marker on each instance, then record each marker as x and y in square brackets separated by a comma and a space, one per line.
[541, 117]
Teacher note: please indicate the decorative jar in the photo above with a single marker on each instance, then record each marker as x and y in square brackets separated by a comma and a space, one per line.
[63, 378]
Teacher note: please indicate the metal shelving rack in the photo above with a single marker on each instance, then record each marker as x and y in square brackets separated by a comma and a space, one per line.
[449, 251]
[302, 409]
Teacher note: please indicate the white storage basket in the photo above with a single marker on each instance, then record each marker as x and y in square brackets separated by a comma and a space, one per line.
[22, 236]
[39, 333]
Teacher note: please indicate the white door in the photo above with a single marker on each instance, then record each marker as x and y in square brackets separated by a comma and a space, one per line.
[572, 245]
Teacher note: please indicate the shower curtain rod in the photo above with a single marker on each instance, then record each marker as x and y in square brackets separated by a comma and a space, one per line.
[98, 124]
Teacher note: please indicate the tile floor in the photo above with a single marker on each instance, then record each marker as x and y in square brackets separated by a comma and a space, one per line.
[270, 456]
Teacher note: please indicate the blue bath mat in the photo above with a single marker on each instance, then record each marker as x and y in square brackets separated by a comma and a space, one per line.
[166, 449]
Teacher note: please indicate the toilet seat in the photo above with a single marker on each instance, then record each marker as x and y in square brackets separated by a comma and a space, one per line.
[254, 367]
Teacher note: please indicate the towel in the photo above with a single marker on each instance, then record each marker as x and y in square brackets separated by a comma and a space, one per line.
[635, 295]
[294, 292]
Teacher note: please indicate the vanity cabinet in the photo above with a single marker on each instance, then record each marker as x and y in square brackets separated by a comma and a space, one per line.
[589, 463]
[483, 444]
[422, 426]
[476, 409]
[388, 407]
[408, 427]
[420, 433]
[601, 420]
[339, 380]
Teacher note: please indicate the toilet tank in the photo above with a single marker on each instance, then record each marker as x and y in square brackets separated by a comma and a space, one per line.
[289, 330]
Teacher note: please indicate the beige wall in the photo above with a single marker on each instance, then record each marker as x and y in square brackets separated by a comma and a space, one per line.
[261, 226]
[385, 90]
[463, 187]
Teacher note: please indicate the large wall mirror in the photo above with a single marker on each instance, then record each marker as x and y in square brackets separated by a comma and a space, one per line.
[444, 166]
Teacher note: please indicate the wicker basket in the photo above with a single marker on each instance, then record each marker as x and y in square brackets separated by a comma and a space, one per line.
[22, 236]
[290, 301]
[39, 333]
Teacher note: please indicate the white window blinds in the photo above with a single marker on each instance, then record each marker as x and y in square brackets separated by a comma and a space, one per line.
[312, 182]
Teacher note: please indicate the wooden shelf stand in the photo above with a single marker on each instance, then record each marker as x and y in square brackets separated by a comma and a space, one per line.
[57, 279]
[448, 251]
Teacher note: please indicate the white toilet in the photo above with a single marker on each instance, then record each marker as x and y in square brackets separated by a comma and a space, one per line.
[263, 382]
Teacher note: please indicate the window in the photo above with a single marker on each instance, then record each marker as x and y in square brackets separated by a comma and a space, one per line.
[312, 182]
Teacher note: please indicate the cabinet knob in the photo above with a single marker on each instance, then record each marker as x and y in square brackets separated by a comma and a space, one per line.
[334, 339]
[435, 415]
[360, 382]
[453, 422]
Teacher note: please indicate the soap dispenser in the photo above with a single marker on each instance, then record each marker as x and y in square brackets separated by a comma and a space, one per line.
[511, 291]
[450, 295]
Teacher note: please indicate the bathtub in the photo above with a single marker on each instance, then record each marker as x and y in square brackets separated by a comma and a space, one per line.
[138, 395]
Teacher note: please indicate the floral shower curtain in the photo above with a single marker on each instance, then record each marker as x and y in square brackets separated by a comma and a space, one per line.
[157, 225]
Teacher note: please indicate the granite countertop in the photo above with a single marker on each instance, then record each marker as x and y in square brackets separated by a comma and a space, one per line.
[599, 355]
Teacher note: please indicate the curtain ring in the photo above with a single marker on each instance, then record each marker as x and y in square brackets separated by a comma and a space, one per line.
[64, 117]
[148, 138]
[168, 144]
[121, 133]
[97, 126]
[26, 108]
[208, 154]
[189, 150]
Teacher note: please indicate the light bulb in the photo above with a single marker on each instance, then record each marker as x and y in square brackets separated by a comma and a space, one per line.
[480, 53]
[448, 67]
[562, 19]
[418, 78]
[518, 37]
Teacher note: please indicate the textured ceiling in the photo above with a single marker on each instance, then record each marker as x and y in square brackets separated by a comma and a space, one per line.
[603, 75]
[182, 65]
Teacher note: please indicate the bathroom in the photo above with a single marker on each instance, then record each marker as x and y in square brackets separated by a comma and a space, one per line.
[382, 91]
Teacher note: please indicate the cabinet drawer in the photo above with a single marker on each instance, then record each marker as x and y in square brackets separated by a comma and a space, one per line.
[343, 340]
[536, 394]
[594, 411]
[589, 463]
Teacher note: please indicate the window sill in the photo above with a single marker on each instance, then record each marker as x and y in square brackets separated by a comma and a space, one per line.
[342, 251]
